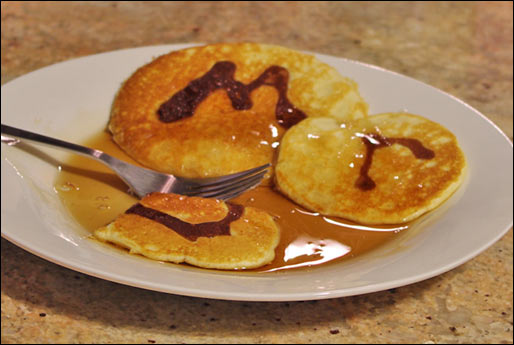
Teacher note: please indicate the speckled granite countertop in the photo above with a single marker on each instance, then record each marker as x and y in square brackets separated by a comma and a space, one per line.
[462, 48]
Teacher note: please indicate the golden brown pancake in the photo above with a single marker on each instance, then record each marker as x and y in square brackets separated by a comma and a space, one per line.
[202, 232]
[384, 169]
[165, 119]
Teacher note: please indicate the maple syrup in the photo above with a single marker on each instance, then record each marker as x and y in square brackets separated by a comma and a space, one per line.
[95, 196]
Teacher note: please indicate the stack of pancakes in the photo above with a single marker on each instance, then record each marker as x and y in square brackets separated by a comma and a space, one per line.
[222, 108]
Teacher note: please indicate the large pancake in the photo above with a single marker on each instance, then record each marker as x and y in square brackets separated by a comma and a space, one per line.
[218, 138]
[384, 169]
[202, 232]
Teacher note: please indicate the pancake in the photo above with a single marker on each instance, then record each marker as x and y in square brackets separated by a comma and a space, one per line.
[202, 232]
[384, 169]
[222, 108]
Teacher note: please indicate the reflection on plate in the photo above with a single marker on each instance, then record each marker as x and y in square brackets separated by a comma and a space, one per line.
[72, 100]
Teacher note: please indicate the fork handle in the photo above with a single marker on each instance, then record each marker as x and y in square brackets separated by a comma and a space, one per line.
[42, 139]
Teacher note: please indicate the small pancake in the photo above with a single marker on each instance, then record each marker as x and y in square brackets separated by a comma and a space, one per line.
[155, 120]
[384, 169]
[202, 232]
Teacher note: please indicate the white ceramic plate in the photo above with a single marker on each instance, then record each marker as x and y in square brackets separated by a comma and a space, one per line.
[71, 101]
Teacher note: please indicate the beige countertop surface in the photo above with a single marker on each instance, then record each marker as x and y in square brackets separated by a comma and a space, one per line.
[463, 48]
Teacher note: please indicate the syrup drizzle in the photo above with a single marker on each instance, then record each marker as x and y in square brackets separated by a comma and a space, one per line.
[221, 76]
[188, 230]
[376, 141]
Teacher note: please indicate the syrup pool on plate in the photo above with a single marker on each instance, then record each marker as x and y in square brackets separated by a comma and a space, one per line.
[95, 196]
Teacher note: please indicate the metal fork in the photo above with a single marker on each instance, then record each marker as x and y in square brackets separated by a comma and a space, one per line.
[143, 181]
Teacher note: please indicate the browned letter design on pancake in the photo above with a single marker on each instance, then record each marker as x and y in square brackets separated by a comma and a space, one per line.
[383, 169]
[202, 232]
[223, 108]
